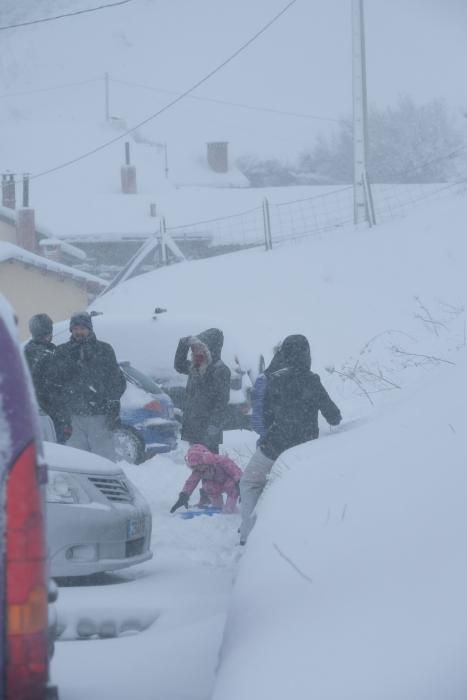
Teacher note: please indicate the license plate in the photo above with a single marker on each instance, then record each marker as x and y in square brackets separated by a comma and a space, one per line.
[136, 527]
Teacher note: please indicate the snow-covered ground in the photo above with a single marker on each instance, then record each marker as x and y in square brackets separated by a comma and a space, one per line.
[353, 582]
[179, 601]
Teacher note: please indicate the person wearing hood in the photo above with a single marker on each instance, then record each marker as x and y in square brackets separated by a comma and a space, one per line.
[294, 396]
[91, 384]
[207, 390]
[39, 353]
[218, 474]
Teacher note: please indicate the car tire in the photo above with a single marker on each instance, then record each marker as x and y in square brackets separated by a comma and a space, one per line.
[129, 445]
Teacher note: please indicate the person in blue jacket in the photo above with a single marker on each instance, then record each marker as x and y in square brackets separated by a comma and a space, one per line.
[259, 392]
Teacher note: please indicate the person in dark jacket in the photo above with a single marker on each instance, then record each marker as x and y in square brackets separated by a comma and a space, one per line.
[294, 397]
[39, 353]
[207, 389]
[91, 384]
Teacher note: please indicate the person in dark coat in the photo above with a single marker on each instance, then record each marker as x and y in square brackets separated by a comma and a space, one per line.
[39, 353]
[91, 384]
[294, 397]
[207, 389]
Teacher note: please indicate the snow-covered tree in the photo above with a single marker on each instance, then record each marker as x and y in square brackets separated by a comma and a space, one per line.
[407, 143]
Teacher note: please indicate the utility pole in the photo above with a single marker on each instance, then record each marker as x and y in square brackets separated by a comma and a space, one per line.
[166, 161]
[163, 229]
[363, 201]
[107, 96]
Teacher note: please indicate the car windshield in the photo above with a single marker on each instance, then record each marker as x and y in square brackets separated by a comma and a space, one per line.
[140, 379]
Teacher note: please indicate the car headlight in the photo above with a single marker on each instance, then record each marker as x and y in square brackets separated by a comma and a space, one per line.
[63, 488]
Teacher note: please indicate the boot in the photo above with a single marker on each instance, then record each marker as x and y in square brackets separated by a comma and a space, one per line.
[204, 500]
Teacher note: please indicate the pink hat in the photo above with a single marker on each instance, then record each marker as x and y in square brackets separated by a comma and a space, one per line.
[197, 455]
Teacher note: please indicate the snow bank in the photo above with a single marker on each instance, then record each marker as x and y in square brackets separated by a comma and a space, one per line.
[353, 584]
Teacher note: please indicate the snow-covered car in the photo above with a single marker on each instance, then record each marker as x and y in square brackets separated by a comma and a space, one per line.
[149, 343]
[96, 519]
[148, 423]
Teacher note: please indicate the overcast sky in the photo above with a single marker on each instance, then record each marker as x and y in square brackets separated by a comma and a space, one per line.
[302, 64]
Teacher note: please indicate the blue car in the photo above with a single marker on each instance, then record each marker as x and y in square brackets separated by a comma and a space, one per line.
[148, 422]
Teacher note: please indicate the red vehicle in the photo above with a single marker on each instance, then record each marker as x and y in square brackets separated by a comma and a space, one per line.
[24, 635]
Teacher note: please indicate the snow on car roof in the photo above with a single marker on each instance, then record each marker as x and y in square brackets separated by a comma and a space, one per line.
[150, 344]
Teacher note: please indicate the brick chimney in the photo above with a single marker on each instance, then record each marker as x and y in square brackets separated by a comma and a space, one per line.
[218, 156]
[26, 222]
[8, 191]
[128, 174]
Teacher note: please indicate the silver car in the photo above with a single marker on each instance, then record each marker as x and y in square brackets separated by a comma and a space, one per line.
[96, 519]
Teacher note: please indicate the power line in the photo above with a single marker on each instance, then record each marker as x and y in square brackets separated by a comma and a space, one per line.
[180, 97]
[69, 14]
[50, 88]
[228, 103]
[271, 110]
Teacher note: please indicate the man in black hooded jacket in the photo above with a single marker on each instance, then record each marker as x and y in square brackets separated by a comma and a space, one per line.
[207, 389]
[91, 384]
[294, 396]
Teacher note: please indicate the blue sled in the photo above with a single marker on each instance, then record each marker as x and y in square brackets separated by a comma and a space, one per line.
[210, 510]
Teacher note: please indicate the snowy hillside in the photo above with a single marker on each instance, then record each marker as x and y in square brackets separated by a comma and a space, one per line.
[370, 295]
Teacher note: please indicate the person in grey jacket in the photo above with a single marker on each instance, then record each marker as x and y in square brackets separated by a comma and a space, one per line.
[207, 389]
[91, 384]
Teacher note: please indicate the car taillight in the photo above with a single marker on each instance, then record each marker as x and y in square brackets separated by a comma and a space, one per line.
[26, 582]
[153, 406]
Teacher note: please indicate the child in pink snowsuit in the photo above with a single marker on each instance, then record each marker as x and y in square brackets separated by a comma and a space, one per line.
[218, 474]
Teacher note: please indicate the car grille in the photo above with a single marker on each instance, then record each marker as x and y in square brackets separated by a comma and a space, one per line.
[134, 547]
[113, 489]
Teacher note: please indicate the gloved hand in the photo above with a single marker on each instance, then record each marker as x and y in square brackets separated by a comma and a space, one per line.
[182, 501]
[67, 431]
[186, 342]
[112, 414]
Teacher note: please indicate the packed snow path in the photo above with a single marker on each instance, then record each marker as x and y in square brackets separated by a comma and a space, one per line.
[179, 600]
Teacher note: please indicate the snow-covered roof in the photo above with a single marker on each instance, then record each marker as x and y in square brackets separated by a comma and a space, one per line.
[8, 216]
[9, 251]
[67, 248]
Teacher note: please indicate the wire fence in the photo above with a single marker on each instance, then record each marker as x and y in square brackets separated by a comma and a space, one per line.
[326, 210]
[242, 230]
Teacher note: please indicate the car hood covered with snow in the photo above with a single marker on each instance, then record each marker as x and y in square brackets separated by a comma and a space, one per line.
[73, 460]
